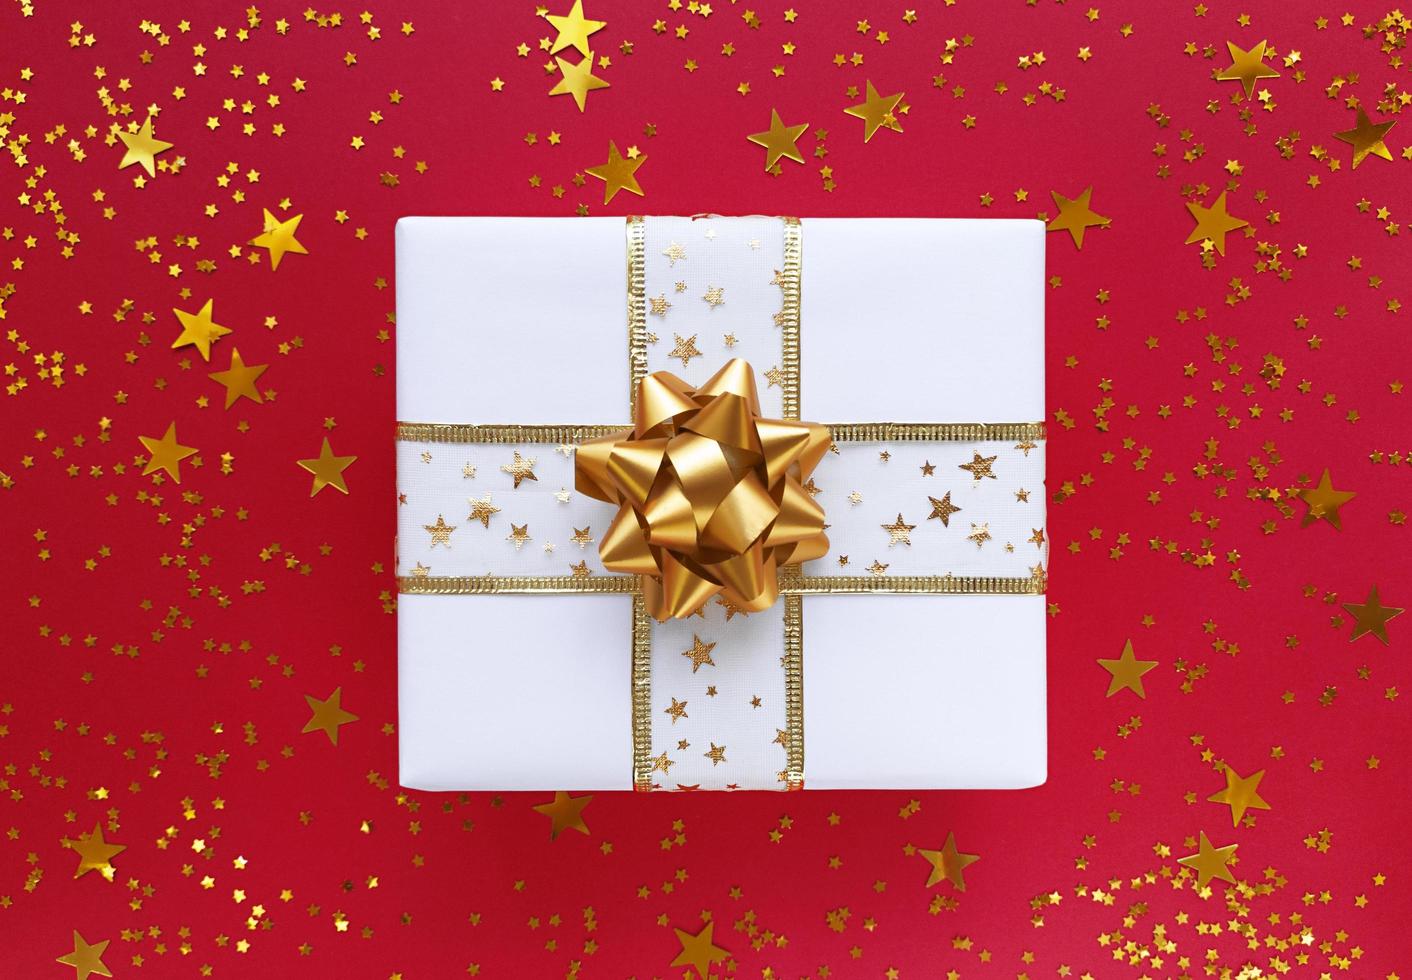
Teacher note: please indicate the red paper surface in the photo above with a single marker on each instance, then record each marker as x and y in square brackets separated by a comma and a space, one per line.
[161, 693]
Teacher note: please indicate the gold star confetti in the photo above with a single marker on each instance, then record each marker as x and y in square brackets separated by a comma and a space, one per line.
[943, 509]
[1210, 862]
[165, 453]
[565, 812]
[482, 510]
[239, 379]
[685, 349]
[199, 330]
[577, 80]
[440, 532]
[574, 29]
[618, 174]
[979, 466]
[520, 468]
[779, 140]
[87, 960]
[1213, 223]
[142, 148]
[519, 534]
[327, 715]
[1075, 216]
[949, 863]
[1366, 137]
[876, 111]
[278, 238]
[1324, 502]
[699, 951]
[899, 532]
[1126, 671]
[327, 469]
[1372, 616]
[1240, 794]
[95, 854]
[700, 653]
[1246, 67]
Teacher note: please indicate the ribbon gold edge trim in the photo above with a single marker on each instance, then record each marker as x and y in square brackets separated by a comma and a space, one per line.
[845, 432]
[791, 278]
[641, 695]
[790, 585]
[794, 690]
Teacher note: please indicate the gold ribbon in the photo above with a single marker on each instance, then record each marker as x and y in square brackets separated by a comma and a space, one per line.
[710, 496]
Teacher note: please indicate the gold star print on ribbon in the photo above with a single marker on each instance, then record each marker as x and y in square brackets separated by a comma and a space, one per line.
[199, 330]
[327, 469]
[86, 958]
[1240, 794]
[1213, 223]
[520, 468]
[1075, 216]
[482, 510]
[328, 715]
[165, 453]
[876, 111]
[979, 466]
[949, 863]
[779, 140]
[700, 653]
[1246, 67]
[142, 148]
[699, 951]
[278, 238]
[239, 379]
[899, 532]
[94, 853]
[1371, 616]
[619, 173]
[943, 509]
[1127, 671]
[565, 812]
[1210, 862]
[1366, 138]
[440, 532]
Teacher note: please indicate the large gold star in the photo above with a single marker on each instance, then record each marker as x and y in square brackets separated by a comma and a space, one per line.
[199, 329]
[1366, 138]
[1127, 671]
[943, 509]
[876, 111]
[1324, 501]
[1076, 215]
[979, 466]
[165, 453]
[1213, 223]
[899, 532]
[95, 854]
[1371, 616]
[142, 147]
[482, 510]
[948, 863]
[578, 80]
[440, 532]
[618, 174]
[327, 715]
[1210, 862]
[574, 29]
[565, 813]
[86, 959]
[278, 237]
[327, 469]
[779, 140]
[700, 653]
[1241, 794]
[521, 468]
[1246, 67]
[239, 379]
[699, 951]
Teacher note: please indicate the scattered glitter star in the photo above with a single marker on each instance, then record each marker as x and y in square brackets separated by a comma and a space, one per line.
[677, 710]
[660, 305]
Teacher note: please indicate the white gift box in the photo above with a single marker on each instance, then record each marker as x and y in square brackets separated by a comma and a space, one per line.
[524, 322]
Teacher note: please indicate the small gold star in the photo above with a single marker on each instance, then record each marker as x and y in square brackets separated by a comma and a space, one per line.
[943, 509]
[660, 305]
[519, 534]
[700, 653]
[877, 567]
[685, 349]
[520, 468]
[440, 532]
[581, 569]
[1022, 495]
[468, 472]
[1037, 538]
[675, 252]
[899, 532]
[980, 534]
[662, 763]
[715, 296]
[928, 468]
[979, 466]
[582, 538]
[481, 510]
[774, 377]
[717, 754]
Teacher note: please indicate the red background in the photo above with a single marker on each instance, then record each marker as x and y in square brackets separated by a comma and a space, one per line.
[164, 699]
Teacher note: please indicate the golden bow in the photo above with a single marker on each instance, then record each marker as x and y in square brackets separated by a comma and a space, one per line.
[711, 496]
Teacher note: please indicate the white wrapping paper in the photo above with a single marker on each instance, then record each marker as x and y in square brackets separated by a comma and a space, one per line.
[522, 320]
